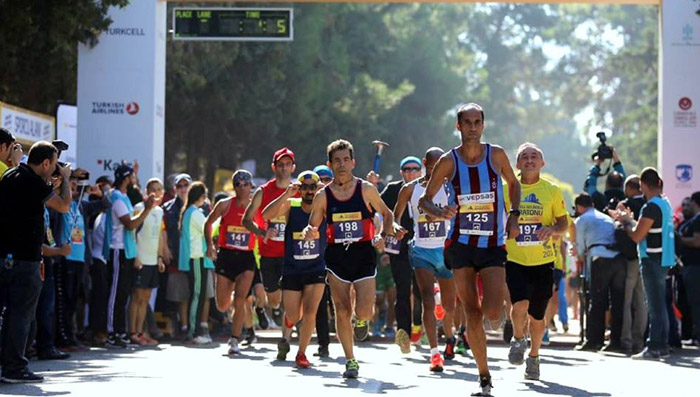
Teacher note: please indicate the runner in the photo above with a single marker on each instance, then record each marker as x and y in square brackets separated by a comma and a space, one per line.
[235, 262]
[349, 204]
[476, 170]
[271, 239]
[304, 271]
[148, 264]
[428, 261]
[531, 256]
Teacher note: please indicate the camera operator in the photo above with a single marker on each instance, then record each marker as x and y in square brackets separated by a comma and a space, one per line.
[613, 182]
[10, 151]
[24, 190]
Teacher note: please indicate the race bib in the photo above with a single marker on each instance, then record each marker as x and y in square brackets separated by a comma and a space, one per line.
[279, 224]
[76, 235]
[49, 237]
[476, 213]
[392, 245]
[238, 237]
[306, 250]
[528, 234]
[347, 227]
[431, 230]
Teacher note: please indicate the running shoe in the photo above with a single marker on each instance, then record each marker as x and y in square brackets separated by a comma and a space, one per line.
[250, 337]
[361, 330]
[389, 332]
[485, 387]
[115, 342]
[403, 340]
[200, 340]
[416, 333]
[532, 368]
[436, 363]
[233, 346]
[647, 354]
[461, 348]
[352, 369]
[282, 349]
[262, 318]
[23, 376]
[301, 361]
[277, 316]
[125, 339]
[565, 327]
[508, 331]
[545, 337]
[516, 355]
[450, 348]
[322, 352]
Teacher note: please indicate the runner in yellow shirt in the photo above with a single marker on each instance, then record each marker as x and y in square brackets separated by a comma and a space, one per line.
[531, 256]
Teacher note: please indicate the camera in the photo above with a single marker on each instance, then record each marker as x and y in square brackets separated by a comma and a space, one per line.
[604, 151]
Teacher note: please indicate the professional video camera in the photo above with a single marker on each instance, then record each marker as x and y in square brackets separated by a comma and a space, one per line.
[604, 151]
[61, 146]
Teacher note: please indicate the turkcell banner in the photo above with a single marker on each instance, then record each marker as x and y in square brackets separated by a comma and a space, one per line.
[679, 135]
[121, 92]
[27, 126]
[66, 130]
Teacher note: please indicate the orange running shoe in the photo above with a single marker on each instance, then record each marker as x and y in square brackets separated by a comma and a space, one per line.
[436, 363]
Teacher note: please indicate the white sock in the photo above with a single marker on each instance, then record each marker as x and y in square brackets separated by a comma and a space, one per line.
[204, 325]
[434, 351]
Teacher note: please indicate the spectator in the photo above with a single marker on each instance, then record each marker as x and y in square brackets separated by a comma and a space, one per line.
[10, 151]
[689, 253]
[613, 184]
[655, 238]
[605, 270]
[24, 190]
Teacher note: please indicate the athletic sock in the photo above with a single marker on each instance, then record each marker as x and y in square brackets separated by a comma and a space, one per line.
[434, 351]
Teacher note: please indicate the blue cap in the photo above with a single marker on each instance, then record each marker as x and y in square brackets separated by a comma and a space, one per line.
[409, 160]
[323, 170]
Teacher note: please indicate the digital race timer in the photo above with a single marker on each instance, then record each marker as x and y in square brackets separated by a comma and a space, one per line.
[235, 24]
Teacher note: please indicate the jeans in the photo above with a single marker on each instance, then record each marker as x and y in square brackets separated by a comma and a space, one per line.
[563, 305]
[607, 280]
[20, 286]
[69, 275]
[45, 311]
[674, 336]
[654, 277]
[635, 313]
[403, 278]
[691, 277]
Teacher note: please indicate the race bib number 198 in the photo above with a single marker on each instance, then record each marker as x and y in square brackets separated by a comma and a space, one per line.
[279, 224]
[347, 227]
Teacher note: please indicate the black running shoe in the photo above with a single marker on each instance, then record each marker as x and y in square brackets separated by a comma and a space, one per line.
[25, 376]
[282, 349]
[262, 318]
[322, 352]
[250, 337]
[115, 342]
[277, 316]
[485, 387]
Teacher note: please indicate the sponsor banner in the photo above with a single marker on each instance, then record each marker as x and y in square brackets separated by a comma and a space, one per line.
[67, 131]
[27, 126]
[121, 92]
[679, 137]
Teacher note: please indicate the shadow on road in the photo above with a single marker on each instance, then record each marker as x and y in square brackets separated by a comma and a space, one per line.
[545, 387]
[367, 385]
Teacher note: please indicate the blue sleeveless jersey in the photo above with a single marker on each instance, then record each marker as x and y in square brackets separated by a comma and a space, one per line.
[478, 191]
[302, 256]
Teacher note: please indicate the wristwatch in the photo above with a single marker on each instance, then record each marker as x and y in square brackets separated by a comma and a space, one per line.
[515, 212]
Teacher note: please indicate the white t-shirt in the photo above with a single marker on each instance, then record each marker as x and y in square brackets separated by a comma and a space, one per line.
[118, 210]
[98, 235]
[148, 234]
[196, 233]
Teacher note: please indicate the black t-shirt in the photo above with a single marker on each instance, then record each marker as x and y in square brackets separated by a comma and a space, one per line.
[171, 217]
[22, 197]
[390, 195]
[635, 204]
[653, 212]
[689, 255]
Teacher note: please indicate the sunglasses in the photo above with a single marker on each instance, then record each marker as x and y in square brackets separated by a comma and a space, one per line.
[240, 184]
[410, 169]
[182, 186]
[305, 186]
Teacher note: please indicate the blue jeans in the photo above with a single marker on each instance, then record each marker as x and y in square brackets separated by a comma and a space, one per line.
[654, 278]
[45, 311]
[20, 285]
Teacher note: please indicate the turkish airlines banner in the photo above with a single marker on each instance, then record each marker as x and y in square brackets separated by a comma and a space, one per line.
[679, 137]
[121, 92]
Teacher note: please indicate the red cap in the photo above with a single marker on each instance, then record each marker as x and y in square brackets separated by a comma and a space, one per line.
[284, 152]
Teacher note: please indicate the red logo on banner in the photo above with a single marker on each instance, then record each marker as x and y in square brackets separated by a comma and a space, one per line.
[132, 108]
[685, 103]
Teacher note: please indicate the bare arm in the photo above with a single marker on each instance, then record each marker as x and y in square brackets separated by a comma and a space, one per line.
[219, 209]
[372, 196]
[318, 212]
[61, 202]
[556, 230]
[506, 171]
[250, 212]
[639, 231]
[401, 203]
[443, 169]
[280, 206]
[133, 223]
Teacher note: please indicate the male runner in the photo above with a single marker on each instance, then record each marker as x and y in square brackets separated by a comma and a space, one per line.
[304, 272]
[348, 204]
[235, 262]
[531, 256]
[271, 239]
[476, 171]
[427, 259]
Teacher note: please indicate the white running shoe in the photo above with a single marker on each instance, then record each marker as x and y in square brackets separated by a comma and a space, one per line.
[233, 346]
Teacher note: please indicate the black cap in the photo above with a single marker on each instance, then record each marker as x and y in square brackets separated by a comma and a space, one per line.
[123, 171]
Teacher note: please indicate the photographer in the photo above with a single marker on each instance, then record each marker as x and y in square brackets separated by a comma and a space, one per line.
[10, 151]
[613, 182]
[24, 190]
